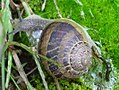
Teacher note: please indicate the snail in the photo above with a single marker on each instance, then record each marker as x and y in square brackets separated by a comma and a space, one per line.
[65, 42]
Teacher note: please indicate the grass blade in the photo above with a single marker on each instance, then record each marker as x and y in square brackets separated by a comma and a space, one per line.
[41, 72]
[8, 69]
[3, 73]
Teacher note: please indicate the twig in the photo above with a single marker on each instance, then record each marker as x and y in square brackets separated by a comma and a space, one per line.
[20, 70]
[31, 71]
[27, 73]
[57, 9]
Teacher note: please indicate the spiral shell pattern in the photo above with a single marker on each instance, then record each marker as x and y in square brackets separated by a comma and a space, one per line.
[62, 42]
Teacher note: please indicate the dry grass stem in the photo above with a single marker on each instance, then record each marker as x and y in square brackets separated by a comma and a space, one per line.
[20, 68]
[59, 14]
[43, 5]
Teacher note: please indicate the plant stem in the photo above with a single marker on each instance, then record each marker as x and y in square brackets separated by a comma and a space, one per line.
[3, 73]
[41, 72]
[8, 69]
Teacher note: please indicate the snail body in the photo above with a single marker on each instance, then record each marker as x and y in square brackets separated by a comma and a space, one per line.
[31, 23]
[63, 41]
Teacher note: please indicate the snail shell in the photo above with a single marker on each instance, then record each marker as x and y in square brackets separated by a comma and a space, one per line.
[64, 42]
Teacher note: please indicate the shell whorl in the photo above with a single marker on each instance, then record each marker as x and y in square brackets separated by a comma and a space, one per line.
[80, 57]
[64, 44]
